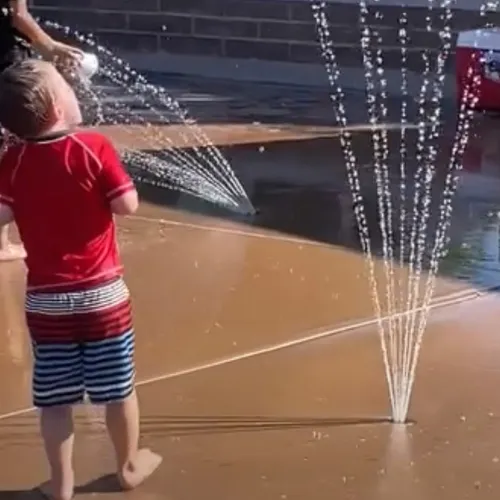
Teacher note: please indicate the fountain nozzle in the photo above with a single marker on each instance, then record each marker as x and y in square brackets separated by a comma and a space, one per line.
[245, 208]
[402, 423]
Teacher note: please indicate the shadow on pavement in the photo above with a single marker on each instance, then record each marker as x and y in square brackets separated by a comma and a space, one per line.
[189, 425]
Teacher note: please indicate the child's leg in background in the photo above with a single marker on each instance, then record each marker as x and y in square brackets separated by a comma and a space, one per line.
[109, 372]
[8, 251]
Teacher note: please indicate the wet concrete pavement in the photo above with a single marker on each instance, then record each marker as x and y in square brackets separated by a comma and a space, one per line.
[304, 421]
[259, 365]
[290, 423]
[196, 286]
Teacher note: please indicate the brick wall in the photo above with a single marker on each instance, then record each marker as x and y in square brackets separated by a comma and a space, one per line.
[281, 30]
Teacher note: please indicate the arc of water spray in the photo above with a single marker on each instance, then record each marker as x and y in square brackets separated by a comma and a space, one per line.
[390, 269]
[194, 180]
[186, 180]
[377, 110]
[421, 202]
[423, 188]
[466, 111]
[217, 160]
[404, 42]
[401, 341]
[337, 98]
[221, 175]
[422, 197]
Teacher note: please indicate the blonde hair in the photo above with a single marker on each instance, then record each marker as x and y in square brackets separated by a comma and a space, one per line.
[26, 98]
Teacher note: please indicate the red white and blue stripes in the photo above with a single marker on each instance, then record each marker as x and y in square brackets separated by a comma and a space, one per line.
[83, 343]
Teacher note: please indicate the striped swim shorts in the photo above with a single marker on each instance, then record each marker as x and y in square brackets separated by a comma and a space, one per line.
[83, 345]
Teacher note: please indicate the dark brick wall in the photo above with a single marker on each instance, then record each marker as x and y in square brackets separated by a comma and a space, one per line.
[281, 30]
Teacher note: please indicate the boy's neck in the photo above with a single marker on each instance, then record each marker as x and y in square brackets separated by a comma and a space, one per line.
[57, 130]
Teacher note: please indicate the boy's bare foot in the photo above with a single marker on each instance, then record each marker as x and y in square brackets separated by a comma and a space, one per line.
[48, 492]
[137, 472]
[12, 252]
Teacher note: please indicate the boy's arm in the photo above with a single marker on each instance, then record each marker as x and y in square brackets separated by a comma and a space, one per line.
[116, 184]
[126, 203]
[26, 24]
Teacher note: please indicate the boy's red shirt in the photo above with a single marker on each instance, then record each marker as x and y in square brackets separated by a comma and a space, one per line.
[59, 190]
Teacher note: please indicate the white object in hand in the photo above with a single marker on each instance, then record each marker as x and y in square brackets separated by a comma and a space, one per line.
[89, 65]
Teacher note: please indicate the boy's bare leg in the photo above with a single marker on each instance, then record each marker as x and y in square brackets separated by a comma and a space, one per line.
[9, 251]
[134, 465]
[58, 435]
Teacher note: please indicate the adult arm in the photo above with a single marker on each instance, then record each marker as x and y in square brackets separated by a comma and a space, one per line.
[42, 42]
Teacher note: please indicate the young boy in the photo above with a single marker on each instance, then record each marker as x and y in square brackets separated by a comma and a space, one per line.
[62, 188]
[19, 31]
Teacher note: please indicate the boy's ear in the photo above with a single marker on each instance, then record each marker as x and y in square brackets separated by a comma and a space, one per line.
[55, 111]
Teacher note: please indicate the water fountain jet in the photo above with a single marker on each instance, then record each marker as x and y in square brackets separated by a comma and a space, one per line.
[192, 164]
[406, 301]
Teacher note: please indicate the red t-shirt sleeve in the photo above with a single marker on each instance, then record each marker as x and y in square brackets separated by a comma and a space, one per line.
[6, 177]
[113, 178]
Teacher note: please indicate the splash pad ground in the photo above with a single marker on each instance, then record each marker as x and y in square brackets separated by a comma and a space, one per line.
[261, 376]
